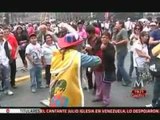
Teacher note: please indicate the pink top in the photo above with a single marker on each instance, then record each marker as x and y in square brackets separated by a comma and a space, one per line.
[30, 30]
[97, 31]
[82, 33]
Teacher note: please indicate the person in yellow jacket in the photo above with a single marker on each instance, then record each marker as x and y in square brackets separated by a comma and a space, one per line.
[156, 89]
[65, 86]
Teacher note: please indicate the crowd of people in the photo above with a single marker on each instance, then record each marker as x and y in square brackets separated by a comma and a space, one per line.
[72, 53]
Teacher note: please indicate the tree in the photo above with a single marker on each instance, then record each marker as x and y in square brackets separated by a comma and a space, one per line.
[125, 15]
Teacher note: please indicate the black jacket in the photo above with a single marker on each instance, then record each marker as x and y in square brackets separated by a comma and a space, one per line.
[23, 36]
[109, 58]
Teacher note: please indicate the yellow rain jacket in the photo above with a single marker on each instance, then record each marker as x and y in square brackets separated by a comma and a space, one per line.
[65, 86]
[156, 50]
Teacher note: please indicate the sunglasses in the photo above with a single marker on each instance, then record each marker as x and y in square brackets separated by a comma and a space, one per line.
[137, 28]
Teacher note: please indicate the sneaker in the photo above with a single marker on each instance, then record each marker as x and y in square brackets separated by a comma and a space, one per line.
[14, 86]
[150, 105]
[33, 90]
[105, 105]
[96, 100]
[24, 69]
[85, 88]
[47, 86]
[8, 92]
[128, 84]
[41, 87]
[45, 102]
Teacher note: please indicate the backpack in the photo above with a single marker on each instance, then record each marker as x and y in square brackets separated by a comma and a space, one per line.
[7, 52]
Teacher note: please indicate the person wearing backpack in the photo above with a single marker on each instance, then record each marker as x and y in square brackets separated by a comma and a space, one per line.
[5, 58]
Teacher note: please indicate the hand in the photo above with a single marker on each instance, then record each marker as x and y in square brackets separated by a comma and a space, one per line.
[84, 51]
[114, 42]
[103, 46]
[148, 60]
[88, 47]
[15, 56]
[148, 57]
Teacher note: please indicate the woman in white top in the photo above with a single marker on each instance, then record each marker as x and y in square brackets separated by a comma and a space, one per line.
[133, 38]
[48, 47]
[140, 51]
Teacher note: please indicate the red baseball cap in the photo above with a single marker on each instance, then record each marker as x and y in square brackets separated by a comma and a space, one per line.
[32, 34]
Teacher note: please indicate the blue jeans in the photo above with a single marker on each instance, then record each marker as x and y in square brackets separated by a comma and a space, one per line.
[5, 74]
[36, 76]
[156, 91]
[121, 72]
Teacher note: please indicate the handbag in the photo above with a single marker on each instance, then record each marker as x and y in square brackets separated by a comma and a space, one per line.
[23, 44]
[154, 66]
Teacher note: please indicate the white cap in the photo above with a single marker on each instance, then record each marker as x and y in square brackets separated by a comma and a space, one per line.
[153, 24]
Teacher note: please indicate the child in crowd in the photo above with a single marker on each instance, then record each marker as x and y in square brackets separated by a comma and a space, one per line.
[34, 58]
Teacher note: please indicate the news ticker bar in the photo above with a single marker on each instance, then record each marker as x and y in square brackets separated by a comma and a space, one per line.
[86, 110]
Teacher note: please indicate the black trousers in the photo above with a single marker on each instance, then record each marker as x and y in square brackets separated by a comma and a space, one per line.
[22, 55]
[47, 74]
[13, 72]
[89, 76]
[156, 92]
[90, 81]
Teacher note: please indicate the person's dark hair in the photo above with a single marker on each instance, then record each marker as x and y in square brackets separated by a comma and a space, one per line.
[23, 33]
[38, 24]
[106, 33]
[47, 35]
[122, 23]
[6, 28]
[90, 29]
[144, 33]
[138, 25]
[83, 21]
[11, 25]
[95, 24]
[158, 23]
[19, 27]
[80, 22]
